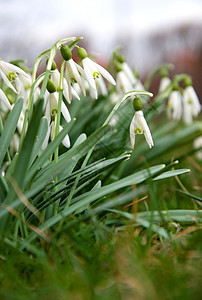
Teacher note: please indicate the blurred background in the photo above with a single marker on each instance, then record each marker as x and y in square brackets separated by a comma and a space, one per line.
[150, 32]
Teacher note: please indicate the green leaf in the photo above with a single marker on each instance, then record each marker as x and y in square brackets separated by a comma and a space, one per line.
[171, 174]
[92, 196]
[23, 159]
[191, 195]
[45, 156]
[74, 154]
[43, 128]
[9, 128]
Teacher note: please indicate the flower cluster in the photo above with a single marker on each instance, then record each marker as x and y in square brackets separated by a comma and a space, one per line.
[126, 79]
[75, 80]
[185, 105]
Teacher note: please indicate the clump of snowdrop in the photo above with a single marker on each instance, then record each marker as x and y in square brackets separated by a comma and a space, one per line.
[183, 103]
[126, 79]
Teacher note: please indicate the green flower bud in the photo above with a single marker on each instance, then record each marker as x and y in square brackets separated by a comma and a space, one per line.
[118, 66]
[137, 104]
[54, 66]
[176, 86]
[187, 81]
[51, 86]
[65, 52]
[82, 53]
[120, 58]
[164, 73]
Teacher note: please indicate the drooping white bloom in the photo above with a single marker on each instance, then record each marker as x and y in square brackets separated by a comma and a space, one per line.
[74, 73]
[198, 145]
[191, 105]
[68, 90]
[128, 72]
[175, 105]
[52, 105]
[138, 85]
[124, 85]
[9, 73]
[139, 126]
[51, 108]
[92, 71]
[164, 83]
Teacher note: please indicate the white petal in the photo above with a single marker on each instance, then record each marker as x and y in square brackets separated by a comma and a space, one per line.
[164, 83]
[65, 112]
[74, 93]
[45, 142]
[101, 85]
[76, 75]
[129, 73]
[105, 74]
[123, 84]
[89, 77]
[142, 124]
[66, 140]
[66, 91]
[196, 107]
[132, 132]
[4, 99]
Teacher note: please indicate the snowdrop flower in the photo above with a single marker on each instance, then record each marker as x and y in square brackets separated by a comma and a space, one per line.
[128, 72]
[51, 107]
[175, 105]
[9, 73]
[68, 90]
[164, 83]
[93, 71]
[73, 72]
[198, 144]
[5, 105]
[139, 124]
[123, 84]
[191, 104]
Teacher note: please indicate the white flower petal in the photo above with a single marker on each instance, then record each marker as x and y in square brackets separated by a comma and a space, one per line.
[66, 140]
[4, 99]
[105, 73]
[89, 77]
[132, 132]
[164, 83]
[65, 112]
[76, 75]
[139, 126]
[129, 73]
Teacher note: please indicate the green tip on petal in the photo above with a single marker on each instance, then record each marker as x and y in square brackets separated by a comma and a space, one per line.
[137, 104]
[51, 86]
[82, 53]
[65, 52]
